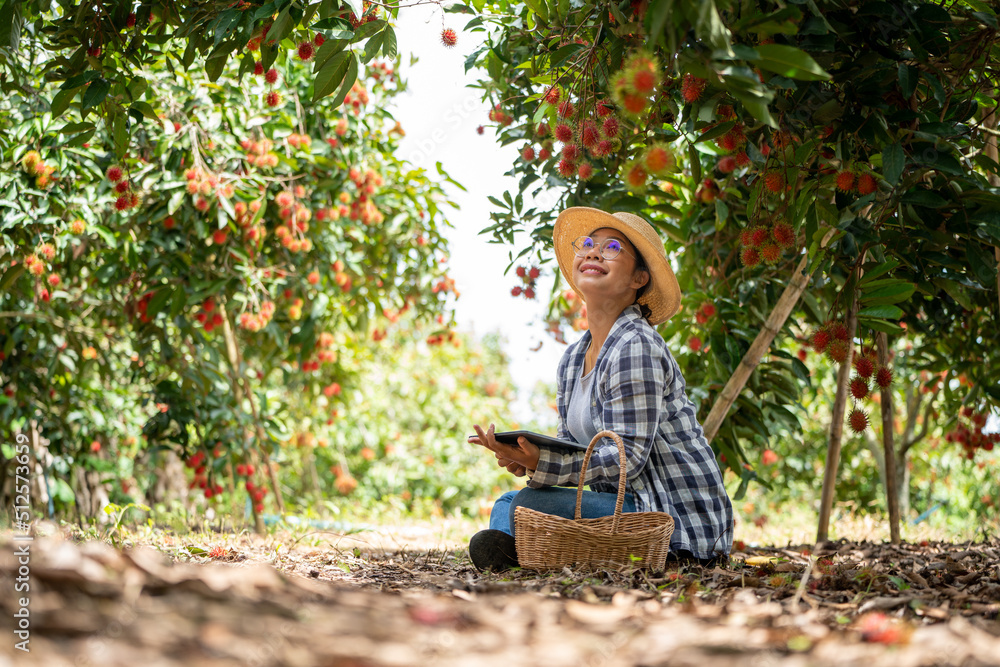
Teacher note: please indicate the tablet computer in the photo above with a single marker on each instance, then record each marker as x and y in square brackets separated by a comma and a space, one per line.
[510, 438]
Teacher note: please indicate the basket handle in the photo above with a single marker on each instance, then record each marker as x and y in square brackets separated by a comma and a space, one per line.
[621, 476]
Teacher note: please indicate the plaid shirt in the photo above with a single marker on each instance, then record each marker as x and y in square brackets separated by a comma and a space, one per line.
[639, 393]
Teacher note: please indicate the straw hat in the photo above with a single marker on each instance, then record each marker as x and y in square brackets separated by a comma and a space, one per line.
[662, 295]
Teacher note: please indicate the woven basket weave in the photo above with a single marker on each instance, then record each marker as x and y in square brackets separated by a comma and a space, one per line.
[545, 541]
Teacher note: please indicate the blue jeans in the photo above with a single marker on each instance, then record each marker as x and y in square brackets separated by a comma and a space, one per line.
[557, 500]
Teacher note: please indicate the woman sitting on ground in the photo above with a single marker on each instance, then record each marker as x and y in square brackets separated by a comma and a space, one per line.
[619, 376]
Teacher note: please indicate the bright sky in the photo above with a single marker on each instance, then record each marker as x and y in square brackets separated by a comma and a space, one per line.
[440, 116]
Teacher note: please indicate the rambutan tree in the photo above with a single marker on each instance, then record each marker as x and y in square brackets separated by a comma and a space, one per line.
[186, 272]
[821, 172]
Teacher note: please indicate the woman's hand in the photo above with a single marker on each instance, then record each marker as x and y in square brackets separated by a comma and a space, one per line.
[515, 469]
[517, 460]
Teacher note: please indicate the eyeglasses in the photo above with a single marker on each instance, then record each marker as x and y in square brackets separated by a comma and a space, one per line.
[609, 249]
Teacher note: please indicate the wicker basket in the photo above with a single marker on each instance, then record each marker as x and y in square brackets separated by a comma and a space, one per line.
[545, 542]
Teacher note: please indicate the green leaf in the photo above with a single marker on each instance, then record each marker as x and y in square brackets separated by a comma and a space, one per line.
[106, 235]
[909, 76]
[146, 110]
[61, 102]
[883, 312]
[328, 49]
[374, 45]
[331, 75]
[880, 325]
[893, 161]
[216, 61]
[95, 94]
[159, 299]
[920, 197]
[881, 268]
[349, 79]
[10, 25]
[539, 8]
[10, 275]
[790, 62]
[389, 47]
[955, 291]
[889, 294]
[716, 131]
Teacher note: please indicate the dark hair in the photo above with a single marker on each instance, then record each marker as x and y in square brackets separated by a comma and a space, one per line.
[640, 265]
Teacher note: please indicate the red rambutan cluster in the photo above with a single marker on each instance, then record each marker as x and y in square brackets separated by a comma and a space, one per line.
[968, 431]
[528, 276]
[764, 243]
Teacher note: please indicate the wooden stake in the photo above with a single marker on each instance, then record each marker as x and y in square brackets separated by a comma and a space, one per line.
[232, 353]
[891, 492]
[775, 321]
[837, 427]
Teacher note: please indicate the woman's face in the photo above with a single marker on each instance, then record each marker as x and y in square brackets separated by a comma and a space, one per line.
[599, 278]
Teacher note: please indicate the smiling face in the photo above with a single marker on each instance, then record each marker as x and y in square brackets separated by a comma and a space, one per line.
[614, 280]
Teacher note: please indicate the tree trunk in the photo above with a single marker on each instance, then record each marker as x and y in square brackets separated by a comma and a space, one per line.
[991, 121]
[837, 428]
[888, 444]
[776, 320]
[903, 487]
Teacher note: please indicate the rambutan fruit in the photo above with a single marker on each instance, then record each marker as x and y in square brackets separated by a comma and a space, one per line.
[759, 236]
[306, 50]
[845, 181]
[770, 253]
[783, 234]
[840, 331]
[319, 39]
[449, 37]
[858, 420]
[742, 159]
[837, 351]
[610, 127]
[750, 257]
[122, 203]
[726, 142]
[859, 387]
[692, 87]
[566, 168]
[552, 95]
[635, 176]
[258, 68]
[864, 366]
[727, 164]
[746, 237]
[883, 376]
[585, 171]
[115, 173]
[527, 153]
[774, 181]
[272, 98]
[566, 109]
[634, 104]
[866, 184]
[589, 135]
[658, 159]
[821, 340]
[564, 133]
[643, 81]
[271, 77]
[571, 152]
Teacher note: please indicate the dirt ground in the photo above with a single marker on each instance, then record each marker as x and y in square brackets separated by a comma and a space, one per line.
[409, 598]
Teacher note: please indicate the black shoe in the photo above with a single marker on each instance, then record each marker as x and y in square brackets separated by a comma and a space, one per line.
[492, 550]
